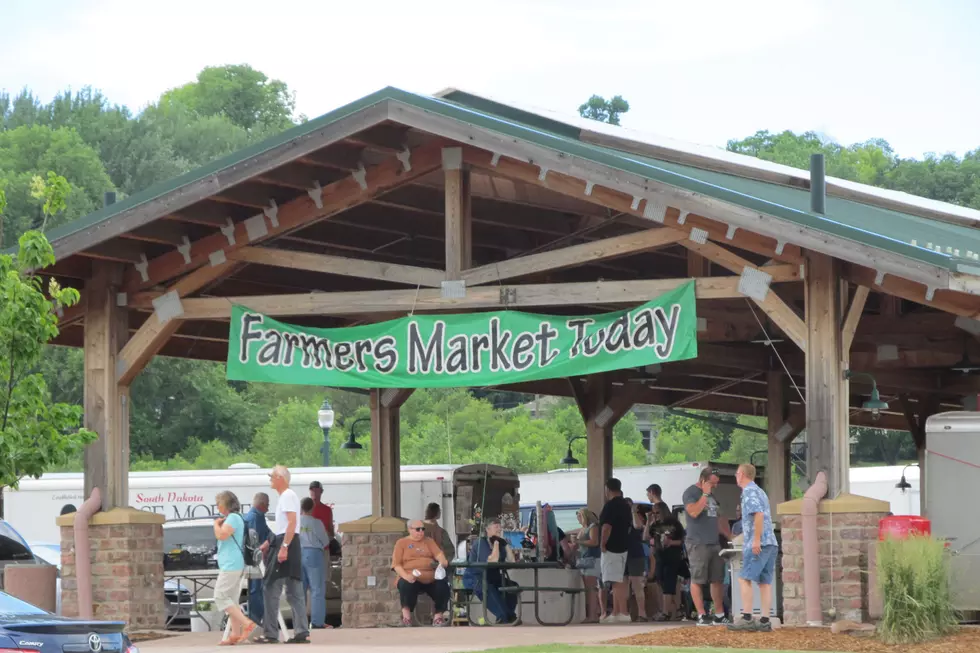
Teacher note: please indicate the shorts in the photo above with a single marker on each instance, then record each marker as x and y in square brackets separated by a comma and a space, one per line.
[667, 573]
[228, 589]
[613, 567]
[707, 566]
[759, 568]
[636, 567]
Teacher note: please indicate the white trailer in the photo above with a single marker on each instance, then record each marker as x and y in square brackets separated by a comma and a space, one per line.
[33, 508]
[882, 483]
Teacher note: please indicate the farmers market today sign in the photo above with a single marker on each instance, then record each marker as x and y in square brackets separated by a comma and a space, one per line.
[474, 349]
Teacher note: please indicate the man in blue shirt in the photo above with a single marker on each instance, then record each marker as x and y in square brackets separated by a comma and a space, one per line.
[758, 553]
[255, 522]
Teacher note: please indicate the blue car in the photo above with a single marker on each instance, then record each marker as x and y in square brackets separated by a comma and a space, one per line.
[28, 629]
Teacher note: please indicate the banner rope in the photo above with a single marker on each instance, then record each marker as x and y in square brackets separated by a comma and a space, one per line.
[776, 351]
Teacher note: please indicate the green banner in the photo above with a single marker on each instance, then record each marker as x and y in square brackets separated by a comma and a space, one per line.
[473, 349]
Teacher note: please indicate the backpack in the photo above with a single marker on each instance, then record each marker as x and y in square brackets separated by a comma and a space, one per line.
[250, 550]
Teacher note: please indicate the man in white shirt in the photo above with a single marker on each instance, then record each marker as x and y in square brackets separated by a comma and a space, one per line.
[284, 564]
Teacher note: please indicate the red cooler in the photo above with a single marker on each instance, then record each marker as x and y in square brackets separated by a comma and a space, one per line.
[902, 527]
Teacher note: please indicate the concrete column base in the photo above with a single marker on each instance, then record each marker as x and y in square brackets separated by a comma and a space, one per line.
[847, 528]
[127, 567]
[369, 591]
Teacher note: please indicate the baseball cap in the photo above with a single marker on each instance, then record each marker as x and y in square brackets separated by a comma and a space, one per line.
[316, 485]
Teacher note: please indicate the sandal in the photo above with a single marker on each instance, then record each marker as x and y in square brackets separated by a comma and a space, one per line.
[406, 622]
[231, 641]
[247, 632]
[438, 621]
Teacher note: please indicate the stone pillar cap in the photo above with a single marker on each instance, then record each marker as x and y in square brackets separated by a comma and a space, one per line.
[375, 525]
[114, 517]
[845, 503]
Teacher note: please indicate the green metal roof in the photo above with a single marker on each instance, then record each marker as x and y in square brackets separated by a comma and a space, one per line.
[863, 223]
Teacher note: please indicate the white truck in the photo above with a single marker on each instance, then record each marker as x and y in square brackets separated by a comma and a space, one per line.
[182, 495]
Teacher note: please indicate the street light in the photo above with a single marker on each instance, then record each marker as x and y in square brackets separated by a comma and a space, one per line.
[352, 444]
[874, 404]
[324, 418]
[569, 459]
[903, 484]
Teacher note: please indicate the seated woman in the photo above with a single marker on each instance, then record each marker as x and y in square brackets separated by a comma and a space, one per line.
[416, 559]
[492, 548]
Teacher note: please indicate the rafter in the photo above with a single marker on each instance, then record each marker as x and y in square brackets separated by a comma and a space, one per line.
[302, 211]
[853, 318]
[351, 267]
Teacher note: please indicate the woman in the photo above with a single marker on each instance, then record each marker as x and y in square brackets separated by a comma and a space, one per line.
[667, 541]
[229, 529]
[437, 533]
[313, 539]
[492, 548]
[636, 561]
[587, 540]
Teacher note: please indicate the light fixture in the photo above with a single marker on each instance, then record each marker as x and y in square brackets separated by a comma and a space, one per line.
[570, 459]
[324, 418]
[874, 404]
[352, 444]
[903, 484]
[965, 365]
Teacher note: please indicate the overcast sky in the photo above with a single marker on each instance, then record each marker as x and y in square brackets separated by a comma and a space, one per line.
[902, 70]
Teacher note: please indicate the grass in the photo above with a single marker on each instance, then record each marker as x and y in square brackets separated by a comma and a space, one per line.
[913, 575]
[572, 648]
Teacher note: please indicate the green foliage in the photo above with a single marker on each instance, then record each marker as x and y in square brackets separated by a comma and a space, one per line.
[36, 434]
[598, 108]
[913, 576]
[242, 94]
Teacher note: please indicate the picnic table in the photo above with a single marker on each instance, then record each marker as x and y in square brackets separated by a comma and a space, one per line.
[535, 588]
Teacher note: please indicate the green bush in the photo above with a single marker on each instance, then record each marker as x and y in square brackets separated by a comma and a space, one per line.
[913, 576]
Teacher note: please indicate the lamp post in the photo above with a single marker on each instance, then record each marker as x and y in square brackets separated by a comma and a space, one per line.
[324, 418]
[903, 485]
[569, 459]
[352, 444]
[874, 404]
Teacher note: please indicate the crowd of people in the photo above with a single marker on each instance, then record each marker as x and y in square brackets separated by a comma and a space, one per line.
[630, 549]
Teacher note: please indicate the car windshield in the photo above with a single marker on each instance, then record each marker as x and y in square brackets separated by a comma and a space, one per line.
[12, 545]
[11, 605]
[49, 553]
[197, 537]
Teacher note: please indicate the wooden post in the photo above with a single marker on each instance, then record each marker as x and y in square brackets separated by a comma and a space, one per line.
[828, 441]
[778, 465]
[459, 224]
[601, 405]
[697, 265]
[386, 451]
[106, 403]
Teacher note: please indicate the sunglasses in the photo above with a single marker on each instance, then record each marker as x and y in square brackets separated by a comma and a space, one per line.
[417, 528]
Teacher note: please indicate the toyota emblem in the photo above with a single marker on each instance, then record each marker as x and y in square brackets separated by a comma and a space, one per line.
[94, 643]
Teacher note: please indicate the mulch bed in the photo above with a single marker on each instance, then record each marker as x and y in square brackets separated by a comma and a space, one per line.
[967, 640]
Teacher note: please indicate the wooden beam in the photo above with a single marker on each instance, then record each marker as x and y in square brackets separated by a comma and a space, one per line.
[385, 458]
[426, 300]
[341, 265]
[697, 265]
[853, 318]
[778, 465]
[164, 232]
[459, 214]
[154, 333]
[599, 250]
[944, 300]
[300, 212]
[828, 447]
[121, 251]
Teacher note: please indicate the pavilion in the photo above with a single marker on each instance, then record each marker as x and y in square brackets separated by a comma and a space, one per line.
[457, 203]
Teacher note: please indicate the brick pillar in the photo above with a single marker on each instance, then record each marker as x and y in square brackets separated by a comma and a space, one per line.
[369, 593]
[127, 567]
[847, 528]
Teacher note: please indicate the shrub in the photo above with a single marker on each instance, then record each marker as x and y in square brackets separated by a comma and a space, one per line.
[913, 576]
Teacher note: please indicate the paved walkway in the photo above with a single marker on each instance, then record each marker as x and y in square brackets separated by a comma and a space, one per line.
[415, 640]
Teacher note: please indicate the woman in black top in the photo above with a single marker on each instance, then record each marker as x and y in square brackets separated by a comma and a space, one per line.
[667, 541]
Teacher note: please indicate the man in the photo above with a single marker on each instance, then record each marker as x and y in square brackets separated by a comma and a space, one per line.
[416, 559]
[758, 553]
[255, 523]
[284, 564]
[655, 495]
[321, 511]
[704, 529]
[492, 548]
[615, 520]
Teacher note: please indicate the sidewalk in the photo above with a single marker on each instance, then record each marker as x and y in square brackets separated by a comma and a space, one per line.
[415, 640]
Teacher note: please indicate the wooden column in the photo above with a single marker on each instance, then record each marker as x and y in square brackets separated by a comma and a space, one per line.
[601, 405]
[106, 403]
[697, 265]
[778, 465]
[459, 223]
[828, 442]
[386, 451]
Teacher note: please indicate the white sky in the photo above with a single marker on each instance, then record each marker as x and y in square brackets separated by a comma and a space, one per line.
[903, 70]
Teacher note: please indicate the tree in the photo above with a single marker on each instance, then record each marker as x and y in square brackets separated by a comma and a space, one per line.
[36, 434]
[598, 108]
[244, 95]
